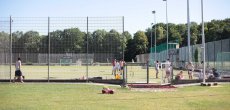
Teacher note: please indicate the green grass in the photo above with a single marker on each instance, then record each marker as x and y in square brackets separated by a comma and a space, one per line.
[88, 97]
[134, 73]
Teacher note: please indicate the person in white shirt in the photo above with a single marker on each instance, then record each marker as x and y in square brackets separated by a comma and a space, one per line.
[116, 68]
[18, 73]
[113, 63]
[157, 68]
[167, 70]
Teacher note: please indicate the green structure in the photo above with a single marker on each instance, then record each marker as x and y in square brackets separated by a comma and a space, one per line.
[161, 48]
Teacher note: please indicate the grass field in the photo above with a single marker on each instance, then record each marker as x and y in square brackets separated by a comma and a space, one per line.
[134, 73]
[52, 96]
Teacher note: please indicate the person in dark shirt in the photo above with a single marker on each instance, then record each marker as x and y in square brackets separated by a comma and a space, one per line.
[215, 73]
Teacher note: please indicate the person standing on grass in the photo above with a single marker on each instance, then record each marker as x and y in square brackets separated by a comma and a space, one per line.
[190, 68]
[157, 68]
[18, 73]
[122, 62]
[167, 70]
[117, 67]
[113, 64]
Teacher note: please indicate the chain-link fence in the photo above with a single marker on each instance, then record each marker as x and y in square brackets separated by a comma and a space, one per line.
[4, 48]
[61, 47]
[213, 56]
[137, 73]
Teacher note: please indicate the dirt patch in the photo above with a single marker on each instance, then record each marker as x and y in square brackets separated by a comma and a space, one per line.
[168, 86]
[154, 89]
[217, 86]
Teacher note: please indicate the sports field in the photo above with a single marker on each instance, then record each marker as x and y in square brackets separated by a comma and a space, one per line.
[135, 74]
[53, 96]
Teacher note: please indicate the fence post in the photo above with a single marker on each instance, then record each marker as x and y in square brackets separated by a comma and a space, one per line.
[147, 65]
[48, 49]
[87, 74]
[10, 46]
[126, 72]
[123, 30]
[172, 69]
[124, 76]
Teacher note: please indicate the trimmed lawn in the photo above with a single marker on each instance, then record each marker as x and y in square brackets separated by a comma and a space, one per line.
[53, 96]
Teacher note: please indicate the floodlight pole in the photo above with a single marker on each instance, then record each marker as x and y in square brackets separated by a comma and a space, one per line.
[151, 44]
[154, 12]
[167, 25]
[188, 24]
[203, 41]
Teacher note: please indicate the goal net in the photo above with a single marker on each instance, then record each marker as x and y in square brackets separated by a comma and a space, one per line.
[66, 61]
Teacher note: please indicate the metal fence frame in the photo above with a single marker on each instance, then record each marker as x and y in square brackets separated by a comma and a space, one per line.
[212, 49]
[90, 25]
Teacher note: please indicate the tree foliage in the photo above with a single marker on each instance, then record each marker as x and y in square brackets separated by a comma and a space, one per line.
[141, 42]
[73, 40]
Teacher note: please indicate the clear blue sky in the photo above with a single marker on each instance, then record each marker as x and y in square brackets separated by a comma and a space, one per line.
[137, 13]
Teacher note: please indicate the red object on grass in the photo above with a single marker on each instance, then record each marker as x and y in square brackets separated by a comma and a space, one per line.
[107, 91]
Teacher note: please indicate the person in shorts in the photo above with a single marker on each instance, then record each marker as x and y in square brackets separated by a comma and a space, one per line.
[116, 68]
[113, 64]
[167, 70]
[157, 68]
[18, 73]
[190, 68]
[122, 62]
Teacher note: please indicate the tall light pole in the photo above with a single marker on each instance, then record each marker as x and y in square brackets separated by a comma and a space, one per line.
[188, 23]
[203, 41]
[151, 42]
[154, 12]
[167, 26]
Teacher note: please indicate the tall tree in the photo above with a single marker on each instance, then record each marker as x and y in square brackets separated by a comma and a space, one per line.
[141, 42]
[73, 40]
[182, 31]
[148, 33]
[194, 33]
[98, 37]
[112, 42]
[30, 42]
[127, 36]
[55, 41]
[4, 41]
[130, 50]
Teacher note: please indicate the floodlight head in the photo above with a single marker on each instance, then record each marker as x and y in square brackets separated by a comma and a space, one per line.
[164, 0]
[154, 12]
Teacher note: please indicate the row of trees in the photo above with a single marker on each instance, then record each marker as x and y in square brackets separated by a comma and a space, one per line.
[214, 30]
[69, 41]
[74, 40]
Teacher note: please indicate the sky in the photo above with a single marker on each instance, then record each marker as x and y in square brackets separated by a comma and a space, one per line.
[137, 13]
